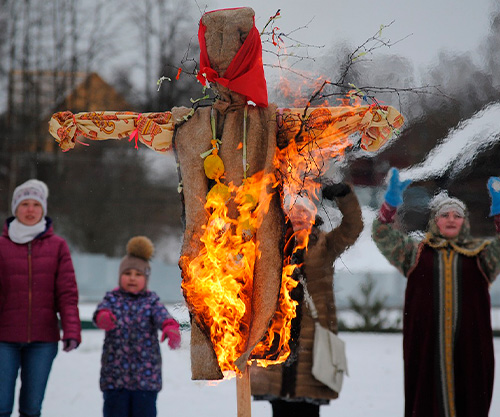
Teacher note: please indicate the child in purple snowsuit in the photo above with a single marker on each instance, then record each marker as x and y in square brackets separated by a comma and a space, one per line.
[131, 315]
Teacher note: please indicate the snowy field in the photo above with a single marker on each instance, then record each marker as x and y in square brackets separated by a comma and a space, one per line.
[374, 387]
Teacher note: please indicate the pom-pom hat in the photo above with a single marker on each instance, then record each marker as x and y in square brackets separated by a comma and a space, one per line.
[30, 190]
[140, 250]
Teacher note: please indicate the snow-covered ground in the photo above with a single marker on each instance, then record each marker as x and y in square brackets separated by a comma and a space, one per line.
[374, 387]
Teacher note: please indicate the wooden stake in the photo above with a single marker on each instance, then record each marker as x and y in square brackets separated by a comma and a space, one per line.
[243, 394]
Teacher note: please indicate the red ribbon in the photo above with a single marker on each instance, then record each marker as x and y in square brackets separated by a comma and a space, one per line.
[135, 132]
[76, 133]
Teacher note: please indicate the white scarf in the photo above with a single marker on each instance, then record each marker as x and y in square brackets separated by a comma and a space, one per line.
[20, 233]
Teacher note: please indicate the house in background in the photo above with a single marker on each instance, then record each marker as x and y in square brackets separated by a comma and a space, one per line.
[33, 96]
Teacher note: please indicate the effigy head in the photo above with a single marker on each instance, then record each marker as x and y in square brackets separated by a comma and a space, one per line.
[225, 33]
[231, 55]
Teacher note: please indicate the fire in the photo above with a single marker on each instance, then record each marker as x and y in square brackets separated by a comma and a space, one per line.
[220, 278]
[273, 348]
[219, 283]
[313, 140]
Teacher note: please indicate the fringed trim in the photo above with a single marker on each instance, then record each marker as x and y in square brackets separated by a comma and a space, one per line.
[442, 243]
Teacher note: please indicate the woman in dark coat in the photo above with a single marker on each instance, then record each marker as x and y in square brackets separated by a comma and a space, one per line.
[447, 335]
[291, 388]
[37, 282]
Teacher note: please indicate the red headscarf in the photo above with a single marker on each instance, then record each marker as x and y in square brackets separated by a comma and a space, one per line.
[245, 73]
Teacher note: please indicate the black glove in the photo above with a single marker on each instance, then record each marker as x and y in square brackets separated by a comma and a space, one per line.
[332, 191]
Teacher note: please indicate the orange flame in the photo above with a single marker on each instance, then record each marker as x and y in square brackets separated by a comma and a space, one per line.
[273, 348]
[219, 282]
[313, 139]
[220, 278]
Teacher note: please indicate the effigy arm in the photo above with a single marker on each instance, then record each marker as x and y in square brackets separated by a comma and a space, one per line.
[155, 130]
[331, 126]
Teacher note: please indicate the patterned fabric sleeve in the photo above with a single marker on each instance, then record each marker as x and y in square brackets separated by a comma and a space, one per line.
[331, 126]
[155, 130]
[490, 256]
[397, 247]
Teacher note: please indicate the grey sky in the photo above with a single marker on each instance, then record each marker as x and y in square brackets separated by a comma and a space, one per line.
[453, 25]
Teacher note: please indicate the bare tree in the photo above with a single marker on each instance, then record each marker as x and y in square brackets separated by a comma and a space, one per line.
[164, 28]
[50, 45]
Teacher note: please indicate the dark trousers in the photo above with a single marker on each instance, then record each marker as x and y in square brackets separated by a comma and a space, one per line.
[283, 408]
[125, 403]
[35, 361]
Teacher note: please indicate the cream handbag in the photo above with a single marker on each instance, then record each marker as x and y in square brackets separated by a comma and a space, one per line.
[329, 358]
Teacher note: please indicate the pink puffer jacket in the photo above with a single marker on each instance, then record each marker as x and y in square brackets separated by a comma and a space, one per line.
[37, 281]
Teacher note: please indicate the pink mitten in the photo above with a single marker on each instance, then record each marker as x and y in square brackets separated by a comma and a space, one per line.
[105, 320]
[170, 329]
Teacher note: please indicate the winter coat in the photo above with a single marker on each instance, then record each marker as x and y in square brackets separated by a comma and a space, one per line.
[293, 379]
[131, 357]
[447, 334]
[37, 282]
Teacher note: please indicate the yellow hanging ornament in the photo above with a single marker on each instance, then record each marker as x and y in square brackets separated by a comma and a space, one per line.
[245, 229]
[214, 167]
[249, 200]
[220, 190]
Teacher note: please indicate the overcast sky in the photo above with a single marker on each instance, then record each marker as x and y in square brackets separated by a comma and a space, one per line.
[434, 25]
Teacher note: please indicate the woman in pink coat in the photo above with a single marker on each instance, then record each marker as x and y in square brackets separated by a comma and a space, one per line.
[37, 282]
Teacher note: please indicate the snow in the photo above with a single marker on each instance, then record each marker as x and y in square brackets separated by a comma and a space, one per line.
[374, 387]
[364, 256]
[460, 147]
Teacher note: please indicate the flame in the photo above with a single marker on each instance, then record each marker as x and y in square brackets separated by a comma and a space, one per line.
[273, 348]
[313, 140]
[218, 286]
[219, 283]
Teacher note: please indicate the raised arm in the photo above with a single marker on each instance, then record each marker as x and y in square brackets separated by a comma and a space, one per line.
[397, 247]
[490, 256]
[343, 236]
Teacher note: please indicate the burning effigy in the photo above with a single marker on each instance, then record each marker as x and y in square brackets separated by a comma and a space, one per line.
[246, 167]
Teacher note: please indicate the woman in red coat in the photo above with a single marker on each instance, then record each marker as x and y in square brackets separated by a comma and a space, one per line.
[37, 282]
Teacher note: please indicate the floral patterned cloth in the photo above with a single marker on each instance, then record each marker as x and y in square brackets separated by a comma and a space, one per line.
[327, 126]
[131, 357]
[155, 130]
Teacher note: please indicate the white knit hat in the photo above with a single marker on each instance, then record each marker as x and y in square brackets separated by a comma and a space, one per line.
[443, 203]
[30, 190]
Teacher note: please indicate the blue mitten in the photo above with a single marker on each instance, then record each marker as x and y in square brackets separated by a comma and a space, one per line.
[494, 189]
[394, 193]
